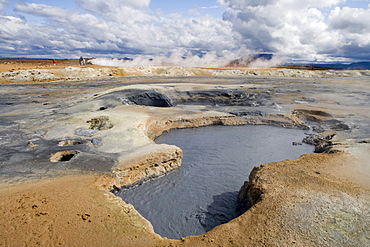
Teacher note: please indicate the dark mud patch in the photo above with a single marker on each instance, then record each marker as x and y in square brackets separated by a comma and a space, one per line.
[321, 141]
[151, 98]
[320, 121]
[224, 97]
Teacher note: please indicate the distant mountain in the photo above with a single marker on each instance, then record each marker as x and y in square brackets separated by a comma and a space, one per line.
[358, 65]
[245, 61]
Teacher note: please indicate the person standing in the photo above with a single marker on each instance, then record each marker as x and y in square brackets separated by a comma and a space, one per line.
[82, 61]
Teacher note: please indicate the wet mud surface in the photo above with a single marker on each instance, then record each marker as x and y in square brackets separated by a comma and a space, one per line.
[106, 128]
[203, 192]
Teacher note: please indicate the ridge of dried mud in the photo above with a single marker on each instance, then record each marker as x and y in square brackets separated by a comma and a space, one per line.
[319, 199]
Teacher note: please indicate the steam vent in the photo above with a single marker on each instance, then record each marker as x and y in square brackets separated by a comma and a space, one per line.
[75, 139]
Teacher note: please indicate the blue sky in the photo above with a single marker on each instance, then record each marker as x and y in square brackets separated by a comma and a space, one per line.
[293, 30]
[210, 7]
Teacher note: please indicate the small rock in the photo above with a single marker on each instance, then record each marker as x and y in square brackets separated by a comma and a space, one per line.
[95, 141]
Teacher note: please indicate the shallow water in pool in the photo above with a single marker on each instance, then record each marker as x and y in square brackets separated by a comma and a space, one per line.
[217, 160]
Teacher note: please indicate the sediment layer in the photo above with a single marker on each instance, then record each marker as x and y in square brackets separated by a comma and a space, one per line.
[93, 72]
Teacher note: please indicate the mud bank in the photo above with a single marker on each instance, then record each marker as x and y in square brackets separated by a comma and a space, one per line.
[73, 141]
[94, 72]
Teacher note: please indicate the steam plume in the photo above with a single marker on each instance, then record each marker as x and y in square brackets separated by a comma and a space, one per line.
[210, 60]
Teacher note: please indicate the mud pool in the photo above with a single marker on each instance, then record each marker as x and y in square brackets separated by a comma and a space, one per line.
[203, 193]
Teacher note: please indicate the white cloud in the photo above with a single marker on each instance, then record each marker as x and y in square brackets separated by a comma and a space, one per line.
[297, 29]
[119, 10]
[118, 30]
[98, 6]
[350, 20]
[3, 3]
[41, 10]
[353, 24]
[292, 29]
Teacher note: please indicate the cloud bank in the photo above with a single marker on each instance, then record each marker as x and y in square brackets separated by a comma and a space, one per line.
[302, 30]
[293, 30]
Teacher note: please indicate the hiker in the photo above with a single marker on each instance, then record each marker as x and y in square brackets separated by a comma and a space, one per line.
[82, 61]
[55, 62]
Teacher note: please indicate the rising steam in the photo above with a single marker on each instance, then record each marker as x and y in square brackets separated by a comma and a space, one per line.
[178, 59]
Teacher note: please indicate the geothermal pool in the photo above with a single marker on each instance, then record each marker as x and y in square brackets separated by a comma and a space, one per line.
[217, 160]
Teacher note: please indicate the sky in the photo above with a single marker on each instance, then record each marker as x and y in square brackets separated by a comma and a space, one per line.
[292, 30]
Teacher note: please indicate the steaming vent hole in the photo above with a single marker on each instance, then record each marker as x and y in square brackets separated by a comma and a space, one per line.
[63, 156]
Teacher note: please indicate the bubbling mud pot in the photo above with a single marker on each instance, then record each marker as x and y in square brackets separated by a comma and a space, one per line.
[203, 193]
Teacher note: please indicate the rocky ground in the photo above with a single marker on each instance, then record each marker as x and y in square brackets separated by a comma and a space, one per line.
[68, 139]
[43, 70]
